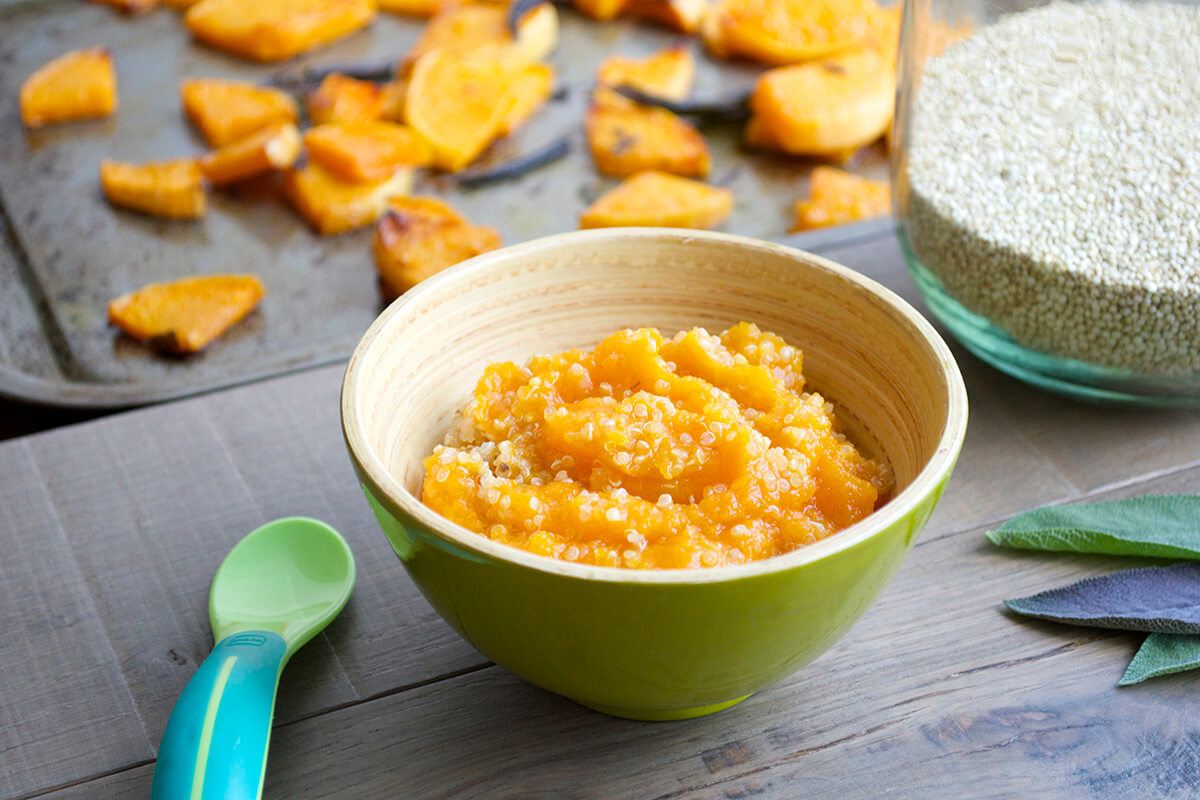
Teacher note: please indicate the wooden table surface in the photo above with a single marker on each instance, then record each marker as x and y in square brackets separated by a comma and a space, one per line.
[112, 530]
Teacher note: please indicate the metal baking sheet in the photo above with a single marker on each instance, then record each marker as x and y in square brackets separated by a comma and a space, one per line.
[64, 252]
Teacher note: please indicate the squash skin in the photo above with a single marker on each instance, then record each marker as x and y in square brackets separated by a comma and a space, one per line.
[171, 189]
[81, 84]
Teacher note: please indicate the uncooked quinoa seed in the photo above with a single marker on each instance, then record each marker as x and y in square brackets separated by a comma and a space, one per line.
[1054, 170]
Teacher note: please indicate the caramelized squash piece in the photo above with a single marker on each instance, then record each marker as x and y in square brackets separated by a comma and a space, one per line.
[825, 107]
[712, 31]
[361, 152]
[684, 16]
[837, 197]
[628, 140]
[393, 97]
[342, 99]
[784, 32]
[459, 103]
[668, 74]
[271, 148]
[411, 8]
[466, 30]
[80, 84]
[331, 205]
[657, 199]
[602, 10]
[226, 111]
[131, 7]
[273, 30]
[528, 90]
[185, 316]
[180, 5]
[419, 237]
[173, 189]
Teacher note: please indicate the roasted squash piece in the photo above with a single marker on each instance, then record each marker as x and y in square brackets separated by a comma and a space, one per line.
[528, 90]
[416, 240]
[668, 74]
[226, 111]
[185, 316]
[129, 6]
[331, 206]
[470, 29]
[272, 30]
[459, 103]
[180, 5]
[602, 10]
[684, 16]
[884, 34]
[393, 96]
[339, 98]
[628, 140]
[411, 8]
[425, 205]
[172, 189]
[837, 197]
[271, 148]
[80, 84]
[712, 31]
[825, 107]
[361, 152]
[792, 31]
[659, 200]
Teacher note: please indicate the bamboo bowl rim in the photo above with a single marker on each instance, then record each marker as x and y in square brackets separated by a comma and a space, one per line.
[903, 503]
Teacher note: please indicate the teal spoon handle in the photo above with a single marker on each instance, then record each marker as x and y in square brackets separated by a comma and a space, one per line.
[215, 745]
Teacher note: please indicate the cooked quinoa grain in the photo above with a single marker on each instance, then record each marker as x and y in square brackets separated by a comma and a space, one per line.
[1054, 170]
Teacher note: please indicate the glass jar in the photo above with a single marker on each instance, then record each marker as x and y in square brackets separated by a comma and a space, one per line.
[1046, 182]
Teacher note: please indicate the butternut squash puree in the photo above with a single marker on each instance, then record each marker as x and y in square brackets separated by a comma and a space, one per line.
[694, 451]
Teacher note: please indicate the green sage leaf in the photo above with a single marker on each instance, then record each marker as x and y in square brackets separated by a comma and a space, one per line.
[1158, 526]
[1162, 654]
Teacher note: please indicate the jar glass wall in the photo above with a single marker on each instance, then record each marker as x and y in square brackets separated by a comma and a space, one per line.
[1046, 181]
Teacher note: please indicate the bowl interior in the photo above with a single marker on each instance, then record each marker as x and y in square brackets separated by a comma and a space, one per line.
[892, 379]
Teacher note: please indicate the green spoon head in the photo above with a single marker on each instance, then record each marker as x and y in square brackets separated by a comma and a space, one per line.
[291, 576]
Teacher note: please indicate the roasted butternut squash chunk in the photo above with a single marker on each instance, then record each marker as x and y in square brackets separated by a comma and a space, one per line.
[271, 148]
[784, 32]
[602, 10]
[272, 30]
[185, 316]
[331, 205]
[129, 6]
[180, 5]
[684, 16]
[884, 34]
[837, 197]
[657, 199]
[417, 239]
[628, 140]
[712, 31]
[393, 96]
[172, 189]
[361, 152]
[226, 111]
[668, 74]
[825, 107]
[411, 8]
[80, 84]
[459, 103]
[342, 99]
[528, 90]
[469, 29]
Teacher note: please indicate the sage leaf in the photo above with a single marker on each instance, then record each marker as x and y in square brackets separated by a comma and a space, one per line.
[1161, 526]
[1162, 654]
[1152, 599]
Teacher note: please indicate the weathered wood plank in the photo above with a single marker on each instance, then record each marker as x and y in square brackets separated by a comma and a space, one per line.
[936, 692]
[60, 683]
[388, 636]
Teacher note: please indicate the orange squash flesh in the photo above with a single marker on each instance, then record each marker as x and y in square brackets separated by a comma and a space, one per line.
[658, 199]
[393, 97]
[271, 148]
[361, 152]
[683, 16]
[837, 197]
[173, 189]
[467, 30]
[529, 88]
[339, 98]
[81, 84]
[628, 140]
[274, 30]
[411, 8]
[187, 315]
[602, 10]
[332, 206]
[225, 111]
[781, 32]
[668, 74]
[418, 237]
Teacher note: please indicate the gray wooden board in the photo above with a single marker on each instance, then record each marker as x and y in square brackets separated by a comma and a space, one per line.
[70, 253]
[111, 531]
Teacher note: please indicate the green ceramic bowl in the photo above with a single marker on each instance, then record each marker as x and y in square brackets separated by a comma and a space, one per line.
[667, 644]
